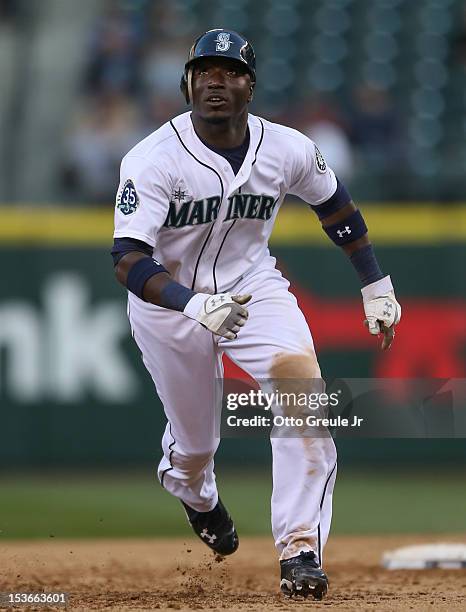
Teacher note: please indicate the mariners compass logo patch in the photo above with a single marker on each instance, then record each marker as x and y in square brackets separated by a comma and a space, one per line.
[179, 194]
[127, 198]
[320, 161]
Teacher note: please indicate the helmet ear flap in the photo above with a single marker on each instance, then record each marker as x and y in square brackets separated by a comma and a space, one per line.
[186, 84]
[251, 90]
[184, 87]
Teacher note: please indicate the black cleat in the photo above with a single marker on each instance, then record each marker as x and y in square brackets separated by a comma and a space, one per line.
[303, 576]
[215, 528]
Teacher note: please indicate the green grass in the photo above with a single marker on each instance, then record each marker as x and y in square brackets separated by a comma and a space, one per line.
[403, 501]
[134, 505]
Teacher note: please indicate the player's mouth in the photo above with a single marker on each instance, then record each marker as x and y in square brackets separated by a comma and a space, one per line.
[216, 101]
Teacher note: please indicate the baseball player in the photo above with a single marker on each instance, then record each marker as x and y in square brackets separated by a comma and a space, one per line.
[195, 207]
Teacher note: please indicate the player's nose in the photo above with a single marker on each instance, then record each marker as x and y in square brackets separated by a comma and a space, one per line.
[216, 78]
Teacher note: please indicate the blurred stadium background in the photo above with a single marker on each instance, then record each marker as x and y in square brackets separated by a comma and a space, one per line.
[380, 85]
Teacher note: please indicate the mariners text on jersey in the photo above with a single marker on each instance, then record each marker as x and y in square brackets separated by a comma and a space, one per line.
[240, 206]
[208, 226]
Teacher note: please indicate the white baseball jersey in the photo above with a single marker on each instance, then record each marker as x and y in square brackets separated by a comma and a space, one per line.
[209, 227]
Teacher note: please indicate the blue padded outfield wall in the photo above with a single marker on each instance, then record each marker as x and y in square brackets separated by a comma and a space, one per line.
[73, 389]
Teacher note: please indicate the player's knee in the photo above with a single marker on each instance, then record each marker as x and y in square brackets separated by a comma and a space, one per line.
[191, 465]
[296, 375]
[295, 365]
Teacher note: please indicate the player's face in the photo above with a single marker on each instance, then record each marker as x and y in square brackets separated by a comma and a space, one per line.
[221, 89]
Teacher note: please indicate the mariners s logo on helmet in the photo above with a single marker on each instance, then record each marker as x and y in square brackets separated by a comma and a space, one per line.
[223, 41]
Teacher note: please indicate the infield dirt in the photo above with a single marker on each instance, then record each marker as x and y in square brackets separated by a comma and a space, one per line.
[183, 575]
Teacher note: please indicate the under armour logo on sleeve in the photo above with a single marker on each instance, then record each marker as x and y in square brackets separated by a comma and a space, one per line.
[345, 231]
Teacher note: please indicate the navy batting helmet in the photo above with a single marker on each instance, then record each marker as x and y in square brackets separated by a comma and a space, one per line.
[219, 43]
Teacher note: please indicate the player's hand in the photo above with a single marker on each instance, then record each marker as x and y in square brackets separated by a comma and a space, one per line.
[223, 314]
[382, 310]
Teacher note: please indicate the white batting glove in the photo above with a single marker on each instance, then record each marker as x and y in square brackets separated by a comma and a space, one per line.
[223, 314]
[382, 310]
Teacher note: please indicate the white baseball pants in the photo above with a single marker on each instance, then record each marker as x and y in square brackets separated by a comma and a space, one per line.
[184, 360]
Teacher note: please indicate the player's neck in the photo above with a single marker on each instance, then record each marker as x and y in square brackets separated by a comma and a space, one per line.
[225, 134]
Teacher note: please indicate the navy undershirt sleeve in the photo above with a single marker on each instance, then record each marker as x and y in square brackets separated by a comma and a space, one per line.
[339, 200]
[353, 227]
[122, 246]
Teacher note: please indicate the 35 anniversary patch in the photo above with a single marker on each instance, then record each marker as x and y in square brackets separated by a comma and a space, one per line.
[127, 198]
[320, 161]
